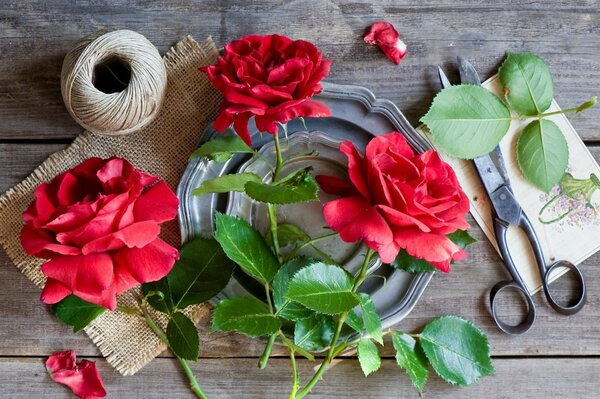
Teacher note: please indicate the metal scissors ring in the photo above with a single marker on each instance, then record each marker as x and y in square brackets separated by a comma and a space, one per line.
[507, 211]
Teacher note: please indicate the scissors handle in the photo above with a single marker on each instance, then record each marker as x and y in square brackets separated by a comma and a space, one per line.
[515, 283]
[546, 272]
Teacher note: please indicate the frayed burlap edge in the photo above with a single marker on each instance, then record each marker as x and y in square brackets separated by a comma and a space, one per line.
[161, 148]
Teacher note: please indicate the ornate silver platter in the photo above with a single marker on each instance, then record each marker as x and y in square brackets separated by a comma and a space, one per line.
[357, 116]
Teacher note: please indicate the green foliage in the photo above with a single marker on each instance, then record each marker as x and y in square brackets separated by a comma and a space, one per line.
[542, 153]
[76, 312]
[527, 83]
[467, 121]
[286, 308]
[371, 319]
[221, 148]
[458, 351]
[288, 234]
[183, 336]
[462, 238]
[323, 288]
[368, 356]
[299, 186]
[411, 358]
[246, 247]
[314, 333]
[226, 183]
[247, 316]
[355, 322]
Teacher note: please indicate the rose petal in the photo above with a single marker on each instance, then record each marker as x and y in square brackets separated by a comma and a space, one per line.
[40, 243]
[150, 263]
[54, 291]
[385, 36]
[355, 168]
[82, 378]
[89, 274]
[136, 235]
[158, 203]
[333, 185]
[428, 246]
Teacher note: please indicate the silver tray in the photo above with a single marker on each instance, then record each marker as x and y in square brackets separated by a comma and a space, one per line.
[357, 116]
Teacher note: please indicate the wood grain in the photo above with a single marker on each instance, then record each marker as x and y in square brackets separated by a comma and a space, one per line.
[36, 35]
[240, 378]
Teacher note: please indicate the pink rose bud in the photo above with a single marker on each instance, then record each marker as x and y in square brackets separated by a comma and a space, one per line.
[383, 35]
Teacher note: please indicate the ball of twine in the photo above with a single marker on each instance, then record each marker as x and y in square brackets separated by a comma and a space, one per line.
[129, 107]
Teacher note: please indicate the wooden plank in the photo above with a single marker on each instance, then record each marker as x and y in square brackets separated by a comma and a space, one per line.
[28, 329]
[240, 378]
[36, 36]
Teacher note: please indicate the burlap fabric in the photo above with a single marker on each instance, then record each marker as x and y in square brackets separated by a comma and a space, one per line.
[162, 148]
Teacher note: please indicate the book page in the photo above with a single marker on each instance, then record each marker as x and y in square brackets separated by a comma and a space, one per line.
[567, 228]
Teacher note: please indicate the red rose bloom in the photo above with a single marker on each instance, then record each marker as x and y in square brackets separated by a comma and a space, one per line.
[398, 200]
[83, 377]
[384, 35]
[98, 225]
[269, 77]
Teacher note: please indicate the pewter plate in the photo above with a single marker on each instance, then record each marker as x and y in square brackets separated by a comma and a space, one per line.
[356, 116]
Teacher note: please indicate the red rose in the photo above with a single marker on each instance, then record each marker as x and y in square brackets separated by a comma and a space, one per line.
[98, 225]
[398, 200]
[269, 77]
[385, 36]
[83, 377]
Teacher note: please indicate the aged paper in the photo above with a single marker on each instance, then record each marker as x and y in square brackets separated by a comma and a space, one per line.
[567, 228]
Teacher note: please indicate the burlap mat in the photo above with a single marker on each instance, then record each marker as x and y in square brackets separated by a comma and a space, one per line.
[162, 148]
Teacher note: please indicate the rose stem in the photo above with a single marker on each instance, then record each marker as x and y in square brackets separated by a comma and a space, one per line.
[310, 242]
[332, 352]
[194, 386]
[296, 380]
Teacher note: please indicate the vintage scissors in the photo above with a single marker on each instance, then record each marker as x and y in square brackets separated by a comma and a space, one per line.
[507, 211]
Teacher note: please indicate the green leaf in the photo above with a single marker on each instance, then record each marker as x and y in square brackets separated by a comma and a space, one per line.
[287, 309]
[183, 336]
[298, 186]
[411, 358]
[314, 333]
[247, 316]
[76, 312]
[370, 318]
[323, 288]
[368, 356]
[246, 247]
[462, 238]
[288, 234]
[355, 322]
[542, 153]
[458, 351]
[162, 303]
[202, 271]
[226, 183]
[221, 148]
[527, 83]
[410, 264]
[467, 121]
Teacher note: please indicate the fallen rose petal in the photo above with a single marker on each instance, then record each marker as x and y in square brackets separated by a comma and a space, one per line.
[384, 35]
[82, 378]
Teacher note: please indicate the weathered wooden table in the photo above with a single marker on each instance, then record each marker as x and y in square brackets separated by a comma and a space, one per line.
[559, 357]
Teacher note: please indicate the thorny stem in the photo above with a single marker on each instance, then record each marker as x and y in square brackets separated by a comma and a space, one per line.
[271, 208]
[194, 386]
[333, 348]
[295, 378]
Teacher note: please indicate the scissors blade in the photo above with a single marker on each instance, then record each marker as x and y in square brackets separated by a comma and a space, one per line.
[488, 173]
[469, 75]
[443, 78]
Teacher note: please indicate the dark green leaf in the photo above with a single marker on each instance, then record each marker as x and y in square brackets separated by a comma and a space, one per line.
[299, 186]
[411, 264]
[458, 351]
[542, 153]
[323, 288]
[202, 271]
[410, 357]
[287, 309]
[355, 322]
[288, 234]
[368, 356]
[527, 83]
[183, 336]
[462, 238]
[162, 303]
[370, 318]
[248, 316]
[76, 312]
[246, 247]
[314, 333]
[467, 121]
[221, 148]
[226, 183]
